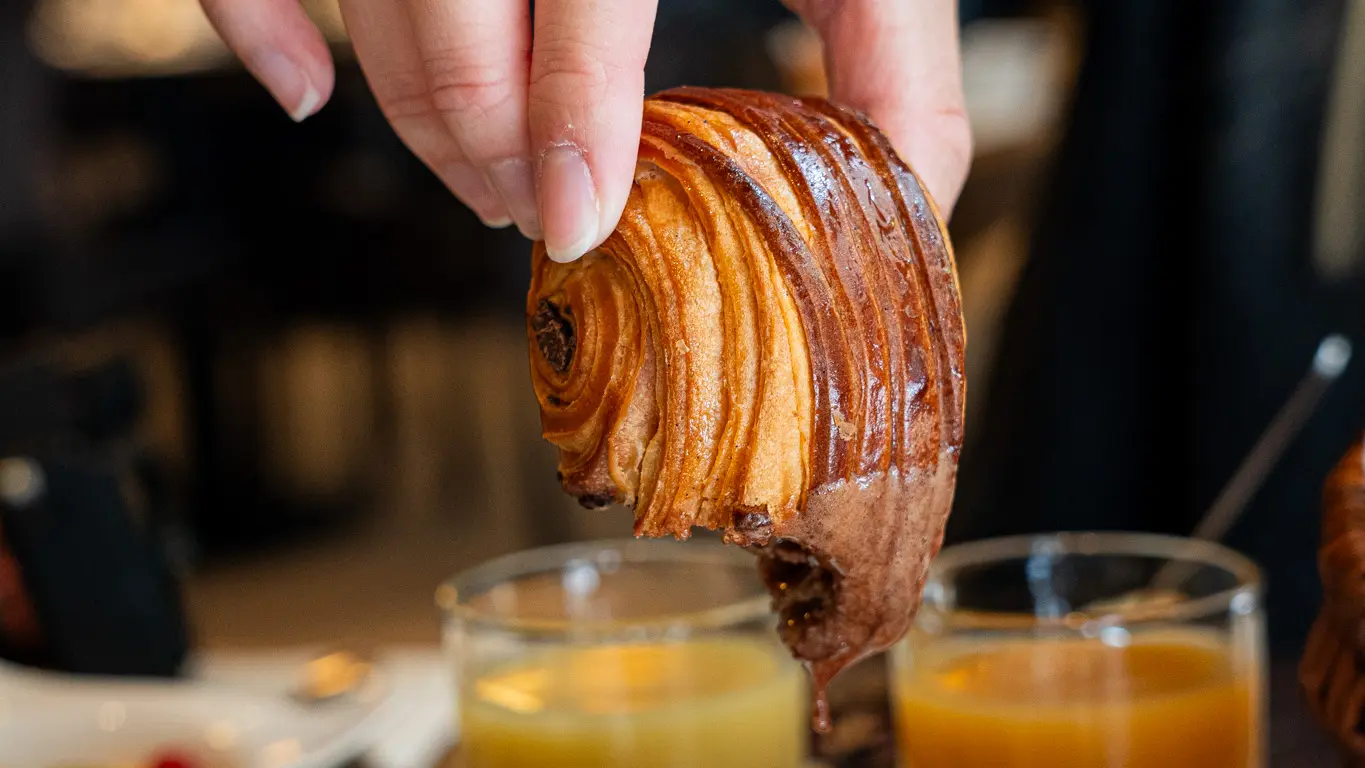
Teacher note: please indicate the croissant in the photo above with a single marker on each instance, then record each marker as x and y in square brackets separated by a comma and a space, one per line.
[770, 344]
[1332, 671]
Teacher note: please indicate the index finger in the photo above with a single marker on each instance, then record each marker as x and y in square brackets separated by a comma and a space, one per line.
[586, 100]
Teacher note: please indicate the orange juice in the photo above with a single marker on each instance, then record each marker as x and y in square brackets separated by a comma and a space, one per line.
[1178, 699]
[723, 703]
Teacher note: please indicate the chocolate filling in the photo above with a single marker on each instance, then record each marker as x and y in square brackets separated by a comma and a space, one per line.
[554, 335]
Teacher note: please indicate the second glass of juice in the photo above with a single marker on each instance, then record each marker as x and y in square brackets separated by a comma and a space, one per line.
[623, 653]
[1093, 650]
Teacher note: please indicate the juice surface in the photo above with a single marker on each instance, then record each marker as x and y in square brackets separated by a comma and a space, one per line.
[1170, 702]
[729, 703]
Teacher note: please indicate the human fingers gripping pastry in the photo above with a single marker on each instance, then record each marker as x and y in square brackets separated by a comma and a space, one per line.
[770, 344]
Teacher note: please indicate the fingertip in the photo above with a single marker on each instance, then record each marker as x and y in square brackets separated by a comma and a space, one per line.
[471, 187]
[572, 251]
[562, 257]
[320, 77]
[514, 181]
[281, 47]
[307, 106]
[570, 207]
[317, 76]
[941, 153]
[288, 82]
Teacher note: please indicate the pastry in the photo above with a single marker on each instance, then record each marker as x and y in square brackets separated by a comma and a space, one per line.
[1332, 671]
[771, 345]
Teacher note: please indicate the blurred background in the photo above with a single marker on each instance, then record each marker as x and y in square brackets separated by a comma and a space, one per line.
[264, 384]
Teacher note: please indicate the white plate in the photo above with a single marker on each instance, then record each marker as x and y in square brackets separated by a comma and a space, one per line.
[54, 721]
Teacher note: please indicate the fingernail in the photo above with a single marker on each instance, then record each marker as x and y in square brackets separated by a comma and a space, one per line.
[308, 105]
[472, 188]
[568, 203]
[514, 182]
[288, 83]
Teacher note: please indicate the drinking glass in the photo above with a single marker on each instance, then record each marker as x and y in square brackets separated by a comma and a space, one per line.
[623, 653]
[1087, 649]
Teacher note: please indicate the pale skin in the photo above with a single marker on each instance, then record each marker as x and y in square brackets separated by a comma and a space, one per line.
[537, 123]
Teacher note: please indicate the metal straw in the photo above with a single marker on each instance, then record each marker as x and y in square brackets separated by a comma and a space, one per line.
[1332, 357]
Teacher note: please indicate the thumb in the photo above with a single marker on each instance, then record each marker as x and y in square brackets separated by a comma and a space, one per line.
[899, 62]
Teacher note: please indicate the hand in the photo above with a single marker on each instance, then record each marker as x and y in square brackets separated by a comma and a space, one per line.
[545, 135]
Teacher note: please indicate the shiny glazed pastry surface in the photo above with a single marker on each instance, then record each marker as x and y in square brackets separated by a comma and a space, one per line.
[770, 344]
[1333, 668]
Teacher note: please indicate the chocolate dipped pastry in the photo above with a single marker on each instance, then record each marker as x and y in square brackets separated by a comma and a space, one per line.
[770, 344]
[1332, 671]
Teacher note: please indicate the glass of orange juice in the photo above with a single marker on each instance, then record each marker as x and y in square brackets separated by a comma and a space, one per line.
[623, 653]
[1088, 649]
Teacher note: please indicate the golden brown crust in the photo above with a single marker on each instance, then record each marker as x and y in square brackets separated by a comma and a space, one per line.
[1332, 672]
[770, 344]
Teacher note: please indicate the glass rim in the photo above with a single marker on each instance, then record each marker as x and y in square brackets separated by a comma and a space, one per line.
[453, 594]
[1168, 548]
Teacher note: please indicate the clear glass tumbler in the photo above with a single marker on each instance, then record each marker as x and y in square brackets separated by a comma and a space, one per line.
[1088, 649]
[623, 653]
